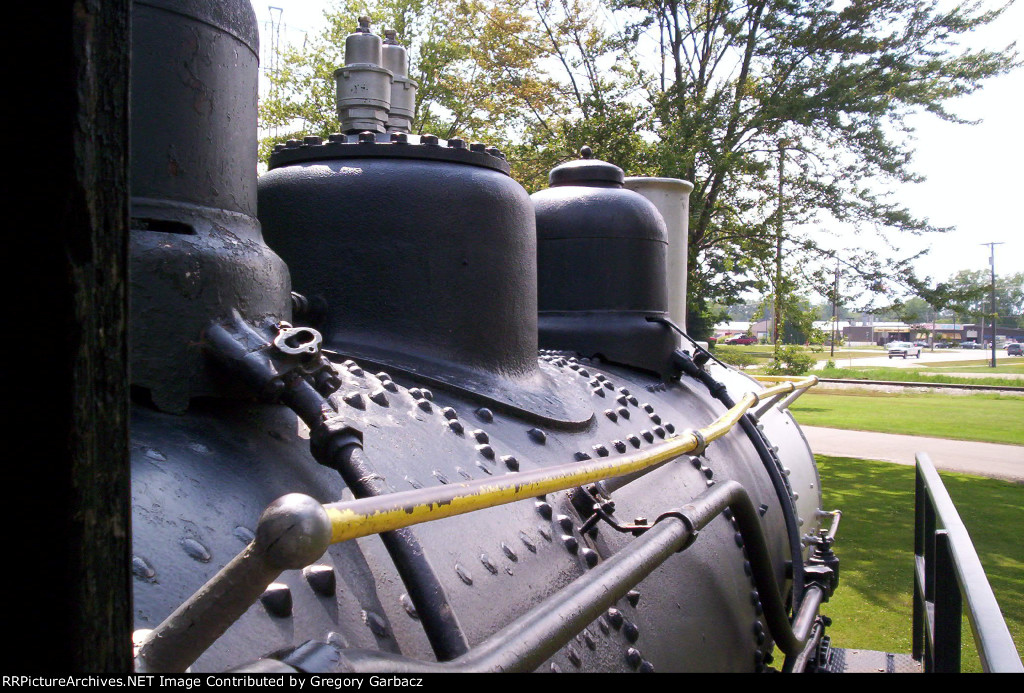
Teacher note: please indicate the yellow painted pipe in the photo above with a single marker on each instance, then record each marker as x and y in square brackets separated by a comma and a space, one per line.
[366, 516]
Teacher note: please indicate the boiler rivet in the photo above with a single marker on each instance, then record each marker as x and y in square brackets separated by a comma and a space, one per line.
[277, 600]
[321, 578]
[354, 400]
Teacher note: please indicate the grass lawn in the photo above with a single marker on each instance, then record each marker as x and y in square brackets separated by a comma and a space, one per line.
[872, 606]
[920, 374]
[983, 417]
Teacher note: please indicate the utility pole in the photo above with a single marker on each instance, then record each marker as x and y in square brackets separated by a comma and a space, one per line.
[835, 313]
[276, 14]
[783, 143]
[992, 265]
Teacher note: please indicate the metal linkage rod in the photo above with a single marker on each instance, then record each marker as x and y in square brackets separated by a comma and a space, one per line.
[767, 406]
[292, 533]
[786, 403]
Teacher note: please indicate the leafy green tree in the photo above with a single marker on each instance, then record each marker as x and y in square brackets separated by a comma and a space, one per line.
[968, 295]
[538, 78]
[807, 96]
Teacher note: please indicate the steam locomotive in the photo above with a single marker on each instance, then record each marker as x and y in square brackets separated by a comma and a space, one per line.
[391, 413]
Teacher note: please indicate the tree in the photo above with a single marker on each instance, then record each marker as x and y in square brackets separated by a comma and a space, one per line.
[830, 86]
[968, 294]
[537, 78]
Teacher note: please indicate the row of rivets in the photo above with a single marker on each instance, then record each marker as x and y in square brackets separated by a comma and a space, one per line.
[386, 382]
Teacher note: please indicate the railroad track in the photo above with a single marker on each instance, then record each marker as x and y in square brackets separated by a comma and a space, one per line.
[941, 386]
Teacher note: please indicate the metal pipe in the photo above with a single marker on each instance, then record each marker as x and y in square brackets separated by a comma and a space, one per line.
[435, 612]
[531, 639]
[789, 400]
[344, 455]
[367, 516]
[798, 664]
[766, 407]
[770, 461]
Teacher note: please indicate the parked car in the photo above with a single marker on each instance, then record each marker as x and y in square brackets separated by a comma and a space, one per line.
[941, 345]
[921, 343]
[971, 345]
[903, 349]
[1015, 349]
[742, 339]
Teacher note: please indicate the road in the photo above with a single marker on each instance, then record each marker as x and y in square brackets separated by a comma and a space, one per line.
[927, 357]
[1004, 462]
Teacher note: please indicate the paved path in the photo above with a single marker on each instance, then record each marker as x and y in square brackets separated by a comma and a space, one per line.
[983, 459]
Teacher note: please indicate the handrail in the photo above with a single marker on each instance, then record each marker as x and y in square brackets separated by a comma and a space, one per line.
[947, 575]
[306, 529]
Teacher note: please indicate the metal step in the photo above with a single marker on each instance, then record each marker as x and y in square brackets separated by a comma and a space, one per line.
[849, 661]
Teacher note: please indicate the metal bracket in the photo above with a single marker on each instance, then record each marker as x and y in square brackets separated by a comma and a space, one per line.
[702, 443]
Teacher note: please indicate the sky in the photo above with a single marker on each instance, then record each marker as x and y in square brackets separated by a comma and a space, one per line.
[975, 173]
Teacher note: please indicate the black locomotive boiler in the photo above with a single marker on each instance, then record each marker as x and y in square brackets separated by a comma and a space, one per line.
[391, 413]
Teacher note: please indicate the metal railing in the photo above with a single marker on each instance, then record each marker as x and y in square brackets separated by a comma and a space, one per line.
[947, 576]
